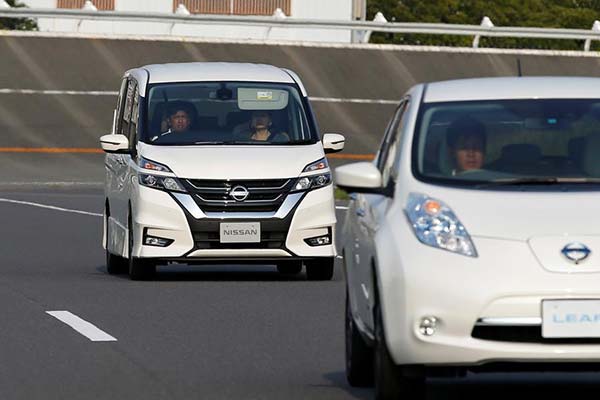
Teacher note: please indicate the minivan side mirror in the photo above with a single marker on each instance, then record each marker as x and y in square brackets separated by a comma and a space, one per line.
[333, 142]
[115, 144]
[362, 177]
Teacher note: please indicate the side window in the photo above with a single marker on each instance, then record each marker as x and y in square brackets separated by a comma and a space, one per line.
[135, 113]
[125, 124]
[120, 102]
[387, 154]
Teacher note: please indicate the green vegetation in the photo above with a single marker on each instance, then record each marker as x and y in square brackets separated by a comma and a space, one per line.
[575, 14]
[341, 195]
[19, 24]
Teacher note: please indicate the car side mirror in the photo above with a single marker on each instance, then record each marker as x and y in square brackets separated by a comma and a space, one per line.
[362, 177]
[115, 144]
[333, 142]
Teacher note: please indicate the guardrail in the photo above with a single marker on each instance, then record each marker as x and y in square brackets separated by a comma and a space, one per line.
[280, 20]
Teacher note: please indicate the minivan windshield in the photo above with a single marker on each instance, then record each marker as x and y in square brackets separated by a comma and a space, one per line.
[226, 113]
[504, 142]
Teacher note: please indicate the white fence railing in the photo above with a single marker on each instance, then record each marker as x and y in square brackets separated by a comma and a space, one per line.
[363, 29]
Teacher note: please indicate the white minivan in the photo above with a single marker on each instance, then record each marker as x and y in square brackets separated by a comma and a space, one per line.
[472, 242]
[217, 162]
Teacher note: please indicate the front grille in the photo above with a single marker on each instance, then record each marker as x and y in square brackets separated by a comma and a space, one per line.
[273, 233]
[215, 195]
[523, 334]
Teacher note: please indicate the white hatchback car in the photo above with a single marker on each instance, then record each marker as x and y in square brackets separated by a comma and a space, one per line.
[217, 162]
[470, 243]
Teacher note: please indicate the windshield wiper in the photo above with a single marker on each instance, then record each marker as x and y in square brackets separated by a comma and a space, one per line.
[539, 180]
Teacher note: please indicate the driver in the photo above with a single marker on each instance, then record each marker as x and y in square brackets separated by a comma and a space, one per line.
[467, 143]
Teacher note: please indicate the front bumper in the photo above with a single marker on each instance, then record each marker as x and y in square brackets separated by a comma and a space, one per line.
[195, 233]
[505, 281]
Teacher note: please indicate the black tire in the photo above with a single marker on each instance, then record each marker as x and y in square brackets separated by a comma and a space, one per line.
[320, 269]
[140, 269]
[289, 267]
[359, 356]
[390, 382]
[114, 264]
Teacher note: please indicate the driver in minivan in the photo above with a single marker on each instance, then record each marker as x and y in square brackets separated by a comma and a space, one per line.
[179, 118]
[467, 142]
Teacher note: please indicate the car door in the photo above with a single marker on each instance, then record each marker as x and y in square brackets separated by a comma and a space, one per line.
[371, 209]
[118, 166]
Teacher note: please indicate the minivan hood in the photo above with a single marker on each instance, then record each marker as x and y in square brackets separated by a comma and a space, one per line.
[234, 162]
[523, 215]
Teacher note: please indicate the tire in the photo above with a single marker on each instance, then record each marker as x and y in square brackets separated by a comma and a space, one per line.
[390, 382]
[114, 264]
[320, 269]
[289, 267]
[140, 269]
[359, 356]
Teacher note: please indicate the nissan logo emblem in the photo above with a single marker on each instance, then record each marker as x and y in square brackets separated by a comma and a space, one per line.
[239, 193]
[576, 252]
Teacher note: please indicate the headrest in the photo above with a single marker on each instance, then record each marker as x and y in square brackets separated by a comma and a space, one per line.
[591, 155]
[520, 153]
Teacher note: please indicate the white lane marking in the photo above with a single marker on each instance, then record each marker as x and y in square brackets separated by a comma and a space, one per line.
[60, 92]
[68, 210]
[352, 101]
[112, 93]
[87, 329]
[341, 208]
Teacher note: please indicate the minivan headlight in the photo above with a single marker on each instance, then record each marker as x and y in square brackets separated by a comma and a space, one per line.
[161, 182]
[317, 165]
[435, 224]
[153, 166]
[312, 182]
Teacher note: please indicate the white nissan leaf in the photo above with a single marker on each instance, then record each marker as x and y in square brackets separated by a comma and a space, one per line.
[217, 162]
[471, 243]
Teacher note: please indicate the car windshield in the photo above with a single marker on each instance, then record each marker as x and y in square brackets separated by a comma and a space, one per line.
[509, 142]
[226, 113]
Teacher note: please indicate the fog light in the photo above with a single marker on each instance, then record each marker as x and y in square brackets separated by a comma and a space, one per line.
[157, 241]
[428, 326]
[319, 240]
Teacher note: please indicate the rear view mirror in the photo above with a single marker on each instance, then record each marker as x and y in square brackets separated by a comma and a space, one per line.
[115, 143]
[333, 142]
[362, 177]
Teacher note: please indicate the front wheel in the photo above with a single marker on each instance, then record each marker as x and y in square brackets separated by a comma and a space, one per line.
[320, 269]
[140, 269]
[359, 356]
[289, 267]
[390, 381]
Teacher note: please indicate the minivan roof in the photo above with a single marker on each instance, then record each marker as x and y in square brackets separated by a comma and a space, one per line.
[506, 88]
[216, 71]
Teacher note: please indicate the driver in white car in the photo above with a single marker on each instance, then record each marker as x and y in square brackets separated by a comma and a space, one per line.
[467, 142]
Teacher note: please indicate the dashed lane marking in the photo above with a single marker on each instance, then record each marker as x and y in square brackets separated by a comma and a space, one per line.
[67, 210]
[82, 326]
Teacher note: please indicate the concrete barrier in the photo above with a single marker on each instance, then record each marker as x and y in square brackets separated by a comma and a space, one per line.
[44, 62]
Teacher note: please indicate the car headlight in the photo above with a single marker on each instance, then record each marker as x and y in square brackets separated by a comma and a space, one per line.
[435, 224]
[317, 165]
[161, 182]
[312, 182]
[153, 166]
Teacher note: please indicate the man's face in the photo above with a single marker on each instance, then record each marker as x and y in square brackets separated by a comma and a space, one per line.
[180, 121]
[469, 152]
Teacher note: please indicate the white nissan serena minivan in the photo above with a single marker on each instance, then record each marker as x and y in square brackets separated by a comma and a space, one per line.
[217, 162]
[472, 242]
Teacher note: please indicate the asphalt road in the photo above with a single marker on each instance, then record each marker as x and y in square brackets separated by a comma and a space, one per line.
[226, 332]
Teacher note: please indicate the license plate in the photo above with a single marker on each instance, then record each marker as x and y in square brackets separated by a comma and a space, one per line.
[571, 318]
[241, 232]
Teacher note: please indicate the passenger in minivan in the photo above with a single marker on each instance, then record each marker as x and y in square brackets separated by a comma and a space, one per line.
[467, 142]
[260, 130]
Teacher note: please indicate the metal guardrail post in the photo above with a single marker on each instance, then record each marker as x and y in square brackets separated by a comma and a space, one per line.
[588, 42]
[485, 23]
[366, 35]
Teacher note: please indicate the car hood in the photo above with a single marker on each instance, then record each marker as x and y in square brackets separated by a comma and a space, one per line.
[234, 162]
[522, 215]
